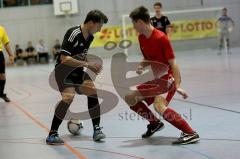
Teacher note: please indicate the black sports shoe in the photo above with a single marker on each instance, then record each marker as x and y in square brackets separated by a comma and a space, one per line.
[98, 134]
[54, 139]
[5, 98]
[152, 128]
[187, 139]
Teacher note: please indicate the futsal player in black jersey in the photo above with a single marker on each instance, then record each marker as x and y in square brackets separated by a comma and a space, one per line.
[73, 53]
[159, 21]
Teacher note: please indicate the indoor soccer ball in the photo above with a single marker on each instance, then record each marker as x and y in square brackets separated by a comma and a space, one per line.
[75, 126]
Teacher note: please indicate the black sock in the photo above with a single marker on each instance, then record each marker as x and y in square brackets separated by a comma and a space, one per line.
[60, 112]
[228, 43]
[2, 86]
[94, 110]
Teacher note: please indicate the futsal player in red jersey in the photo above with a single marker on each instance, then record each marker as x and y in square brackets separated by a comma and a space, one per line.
[157, 51]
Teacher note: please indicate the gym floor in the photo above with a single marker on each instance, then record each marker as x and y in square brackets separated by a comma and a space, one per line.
[212, 109]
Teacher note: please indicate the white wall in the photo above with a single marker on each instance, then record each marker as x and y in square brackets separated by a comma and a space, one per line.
[38, 22]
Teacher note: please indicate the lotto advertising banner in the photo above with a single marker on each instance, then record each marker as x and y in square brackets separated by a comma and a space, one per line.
[182, 30]
[194, 29]
[115, 34]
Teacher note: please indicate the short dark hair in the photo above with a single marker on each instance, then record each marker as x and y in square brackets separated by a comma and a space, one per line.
[158, 4]
[96, 16]
[140, 13]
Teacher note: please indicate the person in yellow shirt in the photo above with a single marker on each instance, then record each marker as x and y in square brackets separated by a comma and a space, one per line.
[4, 43]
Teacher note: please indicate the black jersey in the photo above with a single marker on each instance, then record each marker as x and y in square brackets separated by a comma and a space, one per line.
[75, 45]
[161, 23]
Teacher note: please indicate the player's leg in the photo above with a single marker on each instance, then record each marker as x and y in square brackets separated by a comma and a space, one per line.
[60, 112]
[170, 115]
[227, 37]
[149, 101]
[170, 94]
[221, 41]
[87, 88]
[228, 46]
[135, 102]
[3, 78]
[2, 87]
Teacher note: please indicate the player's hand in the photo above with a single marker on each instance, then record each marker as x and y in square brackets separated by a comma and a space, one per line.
[11, 59]
[182, 93]
[96, 68]
[140, 70]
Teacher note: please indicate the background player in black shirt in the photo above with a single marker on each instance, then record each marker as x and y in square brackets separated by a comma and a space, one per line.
[160, 21]
[73, 53]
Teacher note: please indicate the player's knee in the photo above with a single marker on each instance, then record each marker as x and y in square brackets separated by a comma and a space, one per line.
[88, 88]
[88, 91]
[68, 98]
[2, 76]
[130, 99]
[160, 104]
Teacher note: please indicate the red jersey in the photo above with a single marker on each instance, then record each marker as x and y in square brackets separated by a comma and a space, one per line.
[157, 48]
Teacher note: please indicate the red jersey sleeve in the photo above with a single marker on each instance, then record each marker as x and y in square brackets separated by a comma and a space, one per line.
[167, 48]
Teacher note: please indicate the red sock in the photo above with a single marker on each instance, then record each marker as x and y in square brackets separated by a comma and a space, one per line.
[176, 120]
[146, 113]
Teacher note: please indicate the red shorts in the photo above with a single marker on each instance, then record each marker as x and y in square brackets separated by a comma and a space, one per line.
[153, 88]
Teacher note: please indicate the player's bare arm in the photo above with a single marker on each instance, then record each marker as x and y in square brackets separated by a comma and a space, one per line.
[9, 51]
[68, 60]
[142, 65]
[183, 93]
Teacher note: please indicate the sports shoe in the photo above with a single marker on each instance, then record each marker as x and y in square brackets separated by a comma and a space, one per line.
[54, 139]
[187, 139]
[152, 128]
[5, 98]
[98, 134]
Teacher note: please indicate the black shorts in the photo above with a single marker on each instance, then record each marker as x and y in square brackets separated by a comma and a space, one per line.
[2, 63]
[74, 79]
